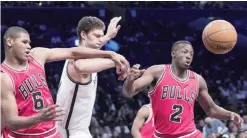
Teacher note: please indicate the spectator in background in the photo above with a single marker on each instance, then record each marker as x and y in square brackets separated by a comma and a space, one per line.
[214, 128]
[200, 125]
[245, 122]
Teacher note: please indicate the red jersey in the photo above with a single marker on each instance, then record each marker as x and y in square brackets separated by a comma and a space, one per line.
[147, 129]
[31, 93]
[173, 102]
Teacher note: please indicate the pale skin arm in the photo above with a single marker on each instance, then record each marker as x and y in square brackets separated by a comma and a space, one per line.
[45, 55]
[93, 65]
[211, 109]
[132, 87]
[139, 121]
[9, 107]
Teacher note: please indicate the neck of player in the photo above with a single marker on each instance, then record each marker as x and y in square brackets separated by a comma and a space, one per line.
[14, 62]
[179, 72]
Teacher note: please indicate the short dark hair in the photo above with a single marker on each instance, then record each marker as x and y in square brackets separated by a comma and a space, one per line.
[89, 23]
[176, 45]
[13, 32]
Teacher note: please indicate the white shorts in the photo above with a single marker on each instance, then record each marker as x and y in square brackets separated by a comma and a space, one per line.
[83, 133]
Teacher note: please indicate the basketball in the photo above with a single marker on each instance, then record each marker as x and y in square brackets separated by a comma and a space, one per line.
[219, 37]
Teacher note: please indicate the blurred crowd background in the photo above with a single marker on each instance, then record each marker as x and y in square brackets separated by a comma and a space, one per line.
[148, 31]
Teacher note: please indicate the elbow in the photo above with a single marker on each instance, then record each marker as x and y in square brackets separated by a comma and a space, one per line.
[127, 93]
[133, 132]
[211, 111]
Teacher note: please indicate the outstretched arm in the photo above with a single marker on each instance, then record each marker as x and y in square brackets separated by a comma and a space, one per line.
[211, 108]
[57, 54]
[93, 65]
[133, 85]
[139, 121]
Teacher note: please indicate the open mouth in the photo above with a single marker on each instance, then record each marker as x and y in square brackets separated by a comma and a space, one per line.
[187, 62]
[27, 52]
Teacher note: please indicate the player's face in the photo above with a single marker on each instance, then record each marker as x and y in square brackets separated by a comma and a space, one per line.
[21, 46]
[184, 56]
[94, 38]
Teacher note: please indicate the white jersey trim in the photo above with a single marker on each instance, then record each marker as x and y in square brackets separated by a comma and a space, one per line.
[178, 79]
[184, 136]
[34, 134]
[152, 91]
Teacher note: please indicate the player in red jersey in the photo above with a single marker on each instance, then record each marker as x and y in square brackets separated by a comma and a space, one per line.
[143, 125]
[174, 91]
[25, 97]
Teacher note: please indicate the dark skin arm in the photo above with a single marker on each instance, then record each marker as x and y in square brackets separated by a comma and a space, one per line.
[213, 110]
[139, 121]
[10, 109]
[134, 83]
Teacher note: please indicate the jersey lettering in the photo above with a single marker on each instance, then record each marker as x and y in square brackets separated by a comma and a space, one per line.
[175, 92]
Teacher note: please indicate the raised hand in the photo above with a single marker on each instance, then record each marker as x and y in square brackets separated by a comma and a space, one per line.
[113, 27]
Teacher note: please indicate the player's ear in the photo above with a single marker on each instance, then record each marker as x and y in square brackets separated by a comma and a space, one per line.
[83, 35]
[173, 54]
[9, 42]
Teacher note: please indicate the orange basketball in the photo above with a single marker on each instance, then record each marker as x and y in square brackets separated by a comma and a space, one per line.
[219, 37]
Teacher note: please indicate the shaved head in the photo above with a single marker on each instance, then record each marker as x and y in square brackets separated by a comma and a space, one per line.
[13, 32]
[177, 45]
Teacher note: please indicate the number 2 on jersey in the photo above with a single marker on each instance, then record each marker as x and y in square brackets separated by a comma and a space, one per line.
[38, 100]
[174, 117]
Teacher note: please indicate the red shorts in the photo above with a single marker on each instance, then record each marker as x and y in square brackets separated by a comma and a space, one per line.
[51, 134]
[194, 134]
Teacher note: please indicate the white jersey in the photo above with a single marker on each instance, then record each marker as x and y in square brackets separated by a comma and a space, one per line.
[77, 100]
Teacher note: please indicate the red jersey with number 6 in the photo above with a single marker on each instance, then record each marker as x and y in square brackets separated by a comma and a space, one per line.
[31, 94]
[173, 102]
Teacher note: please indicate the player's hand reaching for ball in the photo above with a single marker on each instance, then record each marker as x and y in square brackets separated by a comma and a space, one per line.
[236, 118]
[135, 72]
[53, 112]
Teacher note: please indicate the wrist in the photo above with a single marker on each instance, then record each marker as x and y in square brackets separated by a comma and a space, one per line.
[231, 115]
[108, 37]
[36, 118]
[110, 54]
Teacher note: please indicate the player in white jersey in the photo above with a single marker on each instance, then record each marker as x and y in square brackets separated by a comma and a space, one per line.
[78, 84]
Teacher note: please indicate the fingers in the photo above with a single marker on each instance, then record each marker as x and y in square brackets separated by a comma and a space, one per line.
[56, 113]
[136, 66]
[118, 27]
[116, 19]
[142, 71]
[238, 120]
[51, 107]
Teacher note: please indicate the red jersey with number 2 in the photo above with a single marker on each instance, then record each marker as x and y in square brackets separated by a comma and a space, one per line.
[173, 102]
[31, 94]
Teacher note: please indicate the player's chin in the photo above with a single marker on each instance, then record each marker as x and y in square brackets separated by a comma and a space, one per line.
[186, 65]
[24, 58]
